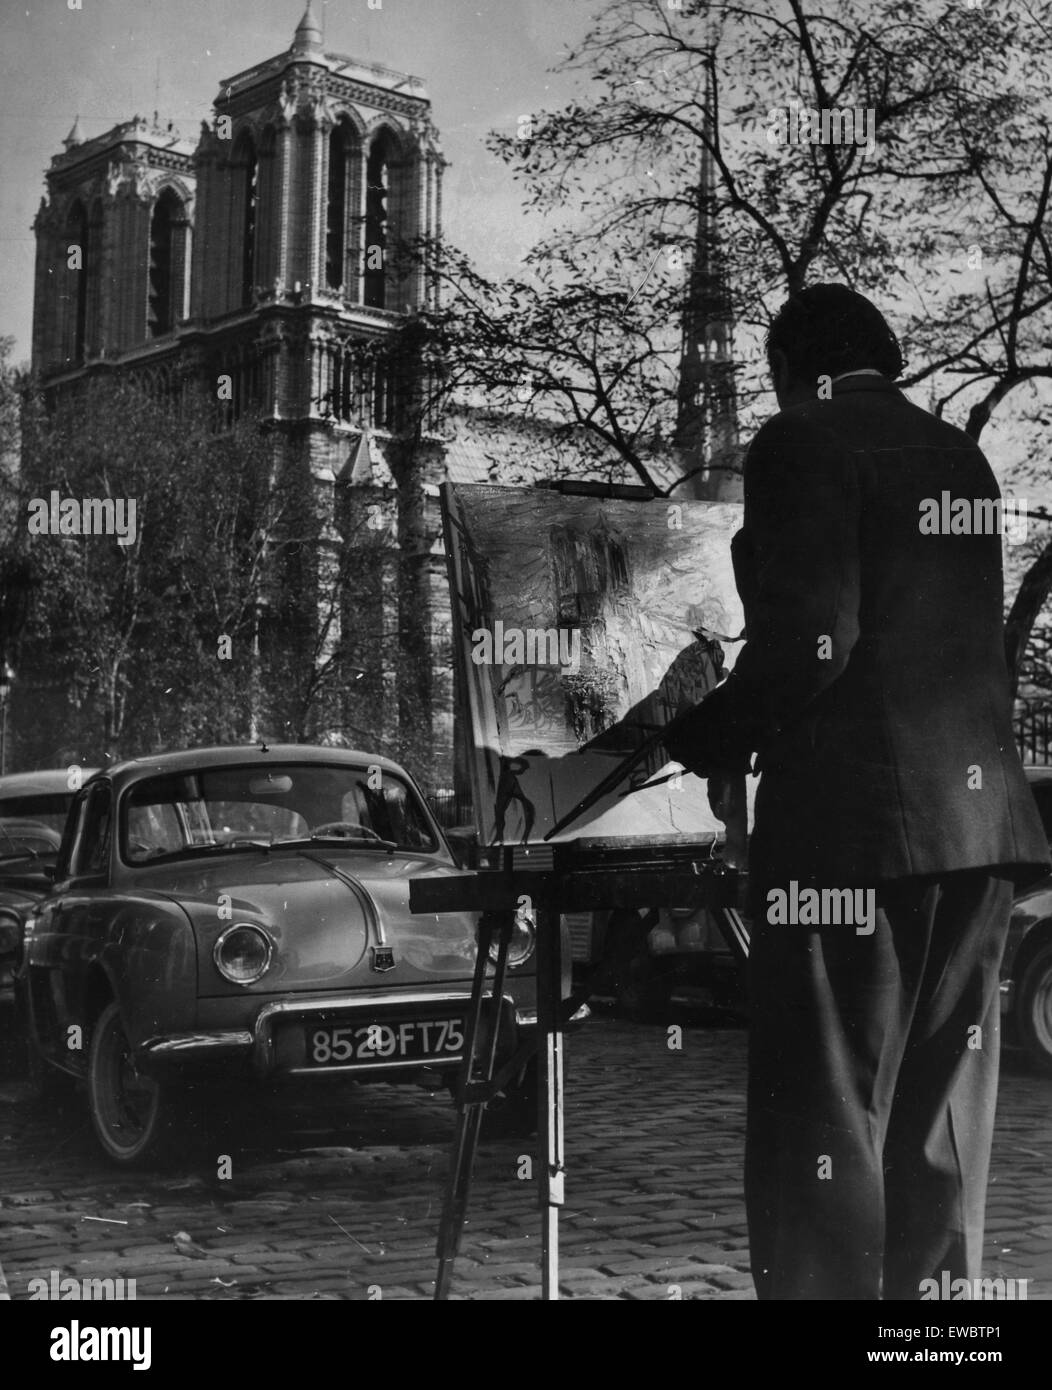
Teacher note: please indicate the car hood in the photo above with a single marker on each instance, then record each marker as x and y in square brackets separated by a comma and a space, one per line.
[329, 911]
[22, 892]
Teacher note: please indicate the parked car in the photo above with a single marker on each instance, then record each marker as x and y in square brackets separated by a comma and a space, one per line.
[1026, 973]
[243, 913]
[642, 957]
[16, 902]
[33, 809]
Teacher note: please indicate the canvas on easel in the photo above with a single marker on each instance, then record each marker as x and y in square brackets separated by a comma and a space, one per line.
[581, 626]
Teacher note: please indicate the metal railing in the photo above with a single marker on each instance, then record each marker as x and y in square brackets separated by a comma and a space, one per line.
[451, 808]
[1033, 730]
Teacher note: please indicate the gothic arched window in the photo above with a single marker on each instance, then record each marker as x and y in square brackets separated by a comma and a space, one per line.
[384, 395]
[378, 232]
[336, 210]
[161, 315]
[246, 171]
[268, 209]
[78, 251]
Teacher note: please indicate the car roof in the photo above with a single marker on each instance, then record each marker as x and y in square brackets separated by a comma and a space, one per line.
[252, 755]
[1039, 776]
[46, 782]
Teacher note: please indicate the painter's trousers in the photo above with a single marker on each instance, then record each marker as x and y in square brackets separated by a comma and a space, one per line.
[872, 1085]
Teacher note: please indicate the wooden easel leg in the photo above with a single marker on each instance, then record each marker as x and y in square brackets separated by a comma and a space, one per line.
[458, 1189]
[473, 1068]
[550, 1095]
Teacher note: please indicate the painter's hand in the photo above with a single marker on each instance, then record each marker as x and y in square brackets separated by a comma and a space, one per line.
[698, 739]
[719, 785]
[727, 801]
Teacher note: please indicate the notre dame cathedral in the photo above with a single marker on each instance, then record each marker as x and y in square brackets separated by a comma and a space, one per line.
[259, 253]
[258, 260]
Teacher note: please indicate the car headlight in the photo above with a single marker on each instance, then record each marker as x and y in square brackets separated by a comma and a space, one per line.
[523, 940]
[242, 954]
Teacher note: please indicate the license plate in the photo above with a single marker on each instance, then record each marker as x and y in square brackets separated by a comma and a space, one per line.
[412, 1040]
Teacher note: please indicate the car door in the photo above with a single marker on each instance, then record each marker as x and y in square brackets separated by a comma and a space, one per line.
[68, 927]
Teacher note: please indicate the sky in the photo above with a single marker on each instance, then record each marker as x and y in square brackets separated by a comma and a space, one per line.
[484, 62]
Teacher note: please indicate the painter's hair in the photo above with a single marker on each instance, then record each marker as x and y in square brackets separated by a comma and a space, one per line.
[825, 330]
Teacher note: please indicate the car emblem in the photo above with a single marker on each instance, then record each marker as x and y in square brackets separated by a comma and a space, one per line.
[383, 958]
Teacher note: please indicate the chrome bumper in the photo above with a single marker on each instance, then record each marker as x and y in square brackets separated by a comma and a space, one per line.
[257, 1046]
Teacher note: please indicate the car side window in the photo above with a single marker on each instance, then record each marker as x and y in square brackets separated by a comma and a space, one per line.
[91, 854]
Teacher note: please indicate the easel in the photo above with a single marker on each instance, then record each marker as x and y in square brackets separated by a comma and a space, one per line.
[496, 895]
[605, 882]
[474, 1091]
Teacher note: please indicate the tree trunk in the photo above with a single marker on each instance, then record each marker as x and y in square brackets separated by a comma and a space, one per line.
[414, 603]
[1033, 592]
[1036, 584]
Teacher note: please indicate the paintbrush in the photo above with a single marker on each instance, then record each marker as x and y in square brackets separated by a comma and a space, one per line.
[608, 783]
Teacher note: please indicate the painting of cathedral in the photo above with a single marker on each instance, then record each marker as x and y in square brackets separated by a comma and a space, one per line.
[583, 625]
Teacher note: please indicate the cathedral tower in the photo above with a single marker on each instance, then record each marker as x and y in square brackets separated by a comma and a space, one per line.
[314, 174]
[270, 262]
[113, 248]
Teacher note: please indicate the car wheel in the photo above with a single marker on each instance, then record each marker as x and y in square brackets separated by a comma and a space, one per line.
[130, 1112]
[1034, 1008]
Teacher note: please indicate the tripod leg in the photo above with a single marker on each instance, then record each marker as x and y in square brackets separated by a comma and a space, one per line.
[469, 1113]
[458, 1190]
[550, 1094]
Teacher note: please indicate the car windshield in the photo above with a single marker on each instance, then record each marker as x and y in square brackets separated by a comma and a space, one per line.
[43, 808]
[22, 839]
[226, 808]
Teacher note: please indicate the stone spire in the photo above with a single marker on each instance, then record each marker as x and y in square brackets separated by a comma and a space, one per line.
[75, 136]
[308, 35]
[707, 417]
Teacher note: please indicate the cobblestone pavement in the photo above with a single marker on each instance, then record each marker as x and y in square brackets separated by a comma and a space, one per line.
[340, 1197]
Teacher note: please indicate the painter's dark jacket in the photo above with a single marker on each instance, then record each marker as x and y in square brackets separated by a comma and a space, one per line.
[873, 683]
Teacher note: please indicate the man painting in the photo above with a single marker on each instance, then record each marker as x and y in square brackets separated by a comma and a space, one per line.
[874, 691]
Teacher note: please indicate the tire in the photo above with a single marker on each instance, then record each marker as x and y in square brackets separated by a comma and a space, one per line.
[133, 1116]
[1034, 1009]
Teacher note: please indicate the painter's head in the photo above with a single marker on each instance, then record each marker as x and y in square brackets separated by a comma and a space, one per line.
[826, 330]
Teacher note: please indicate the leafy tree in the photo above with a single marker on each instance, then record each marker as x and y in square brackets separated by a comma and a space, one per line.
[959, 101]
[170, 640]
